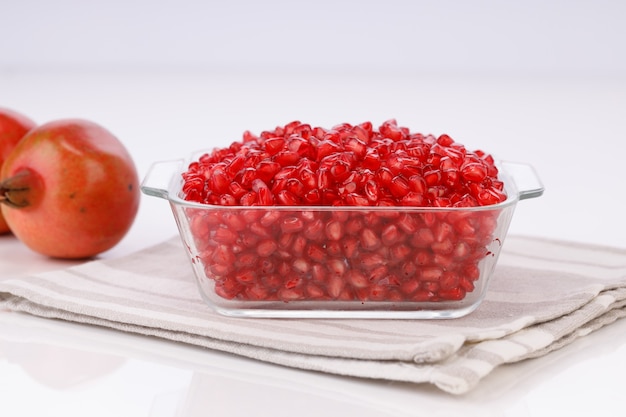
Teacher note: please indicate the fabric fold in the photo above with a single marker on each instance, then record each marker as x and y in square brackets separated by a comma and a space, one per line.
[544, 295]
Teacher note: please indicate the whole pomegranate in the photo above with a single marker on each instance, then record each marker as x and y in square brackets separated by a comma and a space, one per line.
[13, 126]
[70, 189]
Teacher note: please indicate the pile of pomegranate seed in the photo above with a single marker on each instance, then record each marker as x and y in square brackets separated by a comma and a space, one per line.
[331, 246]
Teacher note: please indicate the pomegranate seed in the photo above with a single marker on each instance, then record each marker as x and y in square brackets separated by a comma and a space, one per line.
[291, 294]
[452, 294]
[312, 198]
[384, 176]
[400, 252]
[301, 266]
[266, 170]
[408, 269]
[224, 235]
[354, 225]
[257, 292]
[266, 266]
[287, 198]
[418, 184]
[445, 140]
[314, 292]
[413, 199]
[274, 145]
[233, 221]
[369, 239]
[315, 252]
[350, 245]
[334, 230]
[391, 235]
[219, 181]
[325, 148]
[245, 276]
[423, 295]
[409, 287]
[449, 281]
[246, 259]
[370, 261]
[335, 287]
[337, 267]
[286, 158]
[334, 248]
[378, 255]
[272, 281]
[378, 273]
[292, 224]
[475, 172]
[371, 160]
[269, 218]
[408, 223]
[266, 247]
[228, 289]
[299, 245]
[432, 273]
[399, 187]
[357, 279]
[308, 179]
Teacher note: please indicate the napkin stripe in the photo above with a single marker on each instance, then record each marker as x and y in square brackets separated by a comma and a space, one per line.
[374, 345]
[544, 295]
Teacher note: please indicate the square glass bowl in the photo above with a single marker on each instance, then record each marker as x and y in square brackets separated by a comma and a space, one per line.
[342, 262]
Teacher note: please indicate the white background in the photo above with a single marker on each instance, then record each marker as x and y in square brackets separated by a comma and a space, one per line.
[394, 36]
[540, 82]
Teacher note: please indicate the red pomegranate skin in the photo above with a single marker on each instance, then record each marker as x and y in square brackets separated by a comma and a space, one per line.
[70, 189]
[13, 127]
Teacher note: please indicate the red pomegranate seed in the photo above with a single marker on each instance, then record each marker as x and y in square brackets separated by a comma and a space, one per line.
[432, 273]
[292, 224]
[474, 172]
[453, 294]
[291, 294]
[409, 287]
[266, 170]
[312, 198]
[225, 235]
[445, 140]
[245, 276]
[266, 247]
[337, 267]
[400, 252]
[357, 279]
[287, 198]
[391, 235]
[335, 286]
[369, 239]
[350, 246]
[274, 145]
[219, 181]
[341, 255]
[246, 259]
[399, 187]
[334, 230]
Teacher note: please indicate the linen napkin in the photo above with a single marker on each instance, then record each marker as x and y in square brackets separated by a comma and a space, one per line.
[544, 295]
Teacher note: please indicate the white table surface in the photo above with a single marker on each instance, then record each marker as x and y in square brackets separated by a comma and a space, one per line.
[572, 130]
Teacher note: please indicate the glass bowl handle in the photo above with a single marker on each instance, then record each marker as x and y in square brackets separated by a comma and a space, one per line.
[526, 179]
[159, 177]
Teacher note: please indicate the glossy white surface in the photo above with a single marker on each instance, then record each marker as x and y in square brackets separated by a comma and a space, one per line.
[553, 97]
[575, 144]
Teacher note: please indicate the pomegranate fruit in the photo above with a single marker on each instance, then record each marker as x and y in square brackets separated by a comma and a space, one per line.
[13, 126]
[362, 227]
[70, 189]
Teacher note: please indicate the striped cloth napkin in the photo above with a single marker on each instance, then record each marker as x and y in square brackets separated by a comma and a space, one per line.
[544, 295]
